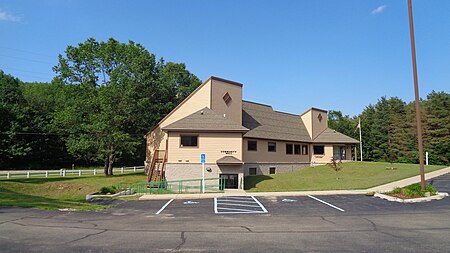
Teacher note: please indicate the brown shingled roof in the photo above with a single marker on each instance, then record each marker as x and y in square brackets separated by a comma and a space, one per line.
[205, 119]
[265, 123]
[332, 136]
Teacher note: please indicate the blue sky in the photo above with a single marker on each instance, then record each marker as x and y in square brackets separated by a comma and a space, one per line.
[335, 55]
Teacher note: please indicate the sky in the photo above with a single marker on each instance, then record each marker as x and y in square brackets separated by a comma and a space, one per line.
[334, 55]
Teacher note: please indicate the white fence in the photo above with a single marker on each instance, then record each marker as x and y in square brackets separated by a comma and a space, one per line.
[64, 172]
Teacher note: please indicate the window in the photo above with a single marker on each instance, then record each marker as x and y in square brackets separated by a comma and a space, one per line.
[297, 149]
[304, 149]
[252, 146]
[272, 147]
[319, 150]
[272, 170]
[252, 171]
[227, 99]
[289, 149]
[189, 141]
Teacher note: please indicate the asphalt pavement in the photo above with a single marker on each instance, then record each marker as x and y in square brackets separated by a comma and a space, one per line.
[333, 223]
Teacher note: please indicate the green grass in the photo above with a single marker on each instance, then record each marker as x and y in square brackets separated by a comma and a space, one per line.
[59, 192]
[354, 175]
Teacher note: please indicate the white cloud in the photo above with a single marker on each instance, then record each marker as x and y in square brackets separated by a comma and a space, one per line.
[5, 16]
[379, 9]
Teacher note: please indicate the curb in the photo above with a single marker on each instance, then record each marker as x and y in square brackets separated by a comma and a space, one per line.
[256, 194]
[438, 196]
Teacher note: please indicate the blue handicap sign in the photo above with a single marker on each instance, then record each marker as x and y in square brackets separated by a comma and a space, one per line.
[203, 158]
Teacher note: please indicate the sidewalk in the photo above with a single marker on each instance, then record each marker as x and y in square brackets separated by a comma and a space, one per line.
[381, 188]
[408, 181]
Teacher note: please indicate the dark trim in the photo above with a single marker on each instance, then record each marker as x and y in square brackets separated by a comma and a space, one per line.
[225, 80]
[315, 109]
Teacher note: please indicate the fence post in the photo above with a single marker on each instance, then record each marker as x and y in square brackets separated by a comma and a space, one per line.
[8, 175]
[28, 174]
[134, 168]
[121, 170]
[95, 172]
[64, 172]
[46, 173]
[79, 173]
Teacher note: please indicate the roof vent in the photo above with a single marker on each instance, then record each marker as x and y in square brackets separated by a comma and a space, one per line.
[201, 112]
[224, 115]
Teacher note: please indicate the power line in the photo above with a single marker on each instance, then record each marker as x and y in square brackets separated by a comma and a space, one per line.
[28, 52]
[25, 59]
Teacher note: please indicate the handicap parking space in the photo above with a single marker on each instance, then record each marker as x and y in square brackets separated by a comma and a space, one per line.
[186, 207]
[238, 205]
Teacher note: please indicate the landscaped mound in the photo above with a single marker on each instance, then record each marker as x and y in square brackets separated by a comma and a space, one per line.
[413, 191]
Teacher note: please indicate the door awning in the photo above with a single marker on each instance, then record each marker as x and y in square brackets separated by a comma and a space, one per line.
[229, 160]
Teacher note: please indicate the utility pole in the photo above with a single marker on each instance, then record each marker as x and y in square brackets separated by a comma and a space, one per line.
[360, 137]
[416, 91]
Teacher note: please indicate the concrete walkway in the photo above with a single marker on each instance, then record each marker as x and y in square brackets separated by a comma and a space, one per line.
[381, 188]
[407, 181]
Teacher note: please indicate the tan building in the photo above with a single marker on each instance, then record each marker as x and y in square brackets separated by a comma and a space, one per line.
[239, 138]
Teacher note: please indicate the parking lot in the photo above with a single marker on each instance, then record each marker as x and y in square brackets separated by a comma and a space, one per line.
[337, 223]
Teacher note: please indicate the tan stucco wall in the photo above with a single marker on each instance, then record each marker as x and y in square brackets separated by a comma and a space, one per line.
[306, 118]
[200, 99]
[325, 158]
[211, 144]
[262, 155]
[312, 122]
[232, 111]
[317, 125]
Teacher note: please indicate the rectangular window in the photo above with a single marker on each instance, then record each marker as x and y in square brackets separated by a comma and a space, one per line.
[289, 148]
[252, 146]
[252, 171]
[297, 149]
[272, 147]
[319, 150]
[272, 170]
[304, 149]
[189, 141]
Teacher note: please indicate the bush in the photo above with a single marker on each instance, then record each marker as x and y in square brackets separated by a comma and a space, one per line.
[414, 190]
[108, 190]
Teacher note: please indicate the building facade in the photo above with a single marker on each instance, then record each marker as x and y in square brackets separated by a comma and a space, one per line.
[239, 138]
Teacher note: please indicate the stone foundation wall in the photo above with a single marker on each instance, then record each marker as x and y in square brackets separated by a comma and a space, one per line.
[183, 171]
[280, 168]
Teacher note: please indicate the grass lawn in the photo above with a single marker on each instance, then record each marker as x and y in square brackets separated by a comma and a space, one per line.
[354, 175]
[59, 192]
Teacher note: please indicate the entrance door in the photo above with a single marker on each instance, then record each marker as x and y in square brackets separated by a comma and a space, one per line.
[339, 152]
[231, 180]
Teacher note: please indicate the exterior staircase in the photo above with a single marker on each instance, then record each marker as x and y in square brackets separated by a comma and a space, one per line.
[156, 172]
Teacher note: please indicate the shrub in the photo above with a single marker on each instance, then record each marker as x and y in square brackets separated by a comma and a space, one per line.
[108, 189]
[414, 190]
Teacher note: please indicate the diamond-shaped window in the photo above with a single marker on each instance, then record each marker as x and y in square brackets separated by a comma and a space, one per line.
[227, 99]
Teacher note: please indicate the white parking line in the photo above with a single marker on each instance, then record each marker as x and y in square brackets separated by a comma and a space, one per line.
[236, 201]
[233, 204]
[164, 206]
[259, 203]
[240, 210]
[238, 205]
[326, 203]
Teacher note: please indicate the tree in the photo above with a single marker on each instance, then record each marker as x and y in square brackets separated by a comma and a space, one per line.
[114, 93]
[336, 166]
[13, 121]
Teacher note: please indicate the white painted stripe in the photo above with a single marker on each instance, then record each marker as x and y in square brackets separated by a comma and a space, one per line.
[237, 209]
[232, 204]
[326, 203]
[241, 212]
[215, 204]
[164, 206]
[259, 203]
[236, 201]
[238, 198]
